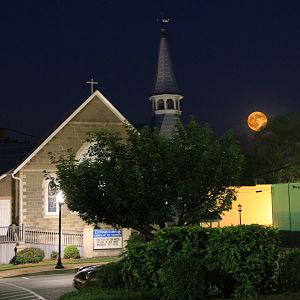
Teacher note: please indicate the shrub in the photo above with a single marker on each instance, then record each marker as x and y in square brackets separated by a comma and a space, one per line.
[289, 266]
[30, 255]
[110, 276]
[242, 260]
[182, 278]
[239, 261]
[144, 259]
[141, 265]
[71, 251]
[54, 255]
[184, 240]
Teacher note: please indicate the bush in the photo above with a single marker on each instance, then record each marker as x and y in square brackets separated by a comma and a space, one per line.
[30, 255]
[184, 240]
[143, 260]
[71, 251]
[54, 255]
[242, 260]
[110, 276]
[239, 261]
[289, 266]
[141, 265]
[182, 278]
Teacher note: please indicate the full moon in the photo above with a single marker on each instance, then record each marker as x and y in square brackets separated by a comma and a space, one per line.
[257, 121]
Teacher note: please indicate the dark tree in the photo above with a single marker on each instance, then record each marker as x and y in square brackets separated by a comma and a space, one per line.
[144, 181]
[273, 154]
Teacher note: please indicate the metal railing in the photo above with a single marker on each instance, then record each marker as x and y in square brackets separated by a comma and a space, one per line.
[12, 233]
[9, 234]
[51, 237]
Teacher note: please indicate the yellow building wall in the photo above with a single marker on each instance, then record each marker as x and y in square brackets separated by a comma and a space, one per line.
[256, 204]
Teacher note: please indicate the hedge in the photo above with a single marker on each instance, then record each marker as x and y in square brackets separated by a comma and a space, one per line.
[238, 261]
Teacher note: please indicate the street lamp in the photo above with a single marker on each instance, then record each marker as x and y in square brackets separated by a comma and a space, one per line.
[240, 213]
[60, 200]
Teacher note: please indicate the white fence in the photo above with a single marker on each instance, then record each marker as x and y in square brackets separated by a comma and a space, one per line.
[44, 239]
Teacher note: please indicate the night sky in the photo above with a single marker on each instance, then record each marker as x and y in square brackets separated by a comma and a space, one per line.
[230, 58]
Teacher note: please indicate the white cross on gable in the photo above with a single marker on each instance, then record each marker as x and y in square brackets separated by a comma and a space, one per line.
[92, 83]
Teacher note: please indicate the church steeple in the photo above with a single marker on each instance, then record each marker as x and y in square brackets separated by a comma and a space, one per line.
[165, 95]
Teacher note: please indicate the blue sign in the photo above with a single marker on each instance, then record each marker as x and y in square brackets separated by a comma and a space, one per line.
[108, 238]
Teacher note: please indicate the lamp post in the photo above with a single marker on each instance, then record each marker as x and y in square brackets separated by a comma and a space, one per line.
[240, 213]
[60, 201]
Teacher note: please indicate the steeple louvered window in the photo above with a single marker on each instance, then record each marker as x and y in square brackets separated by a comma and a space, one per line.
[160, 104]
[170, 104]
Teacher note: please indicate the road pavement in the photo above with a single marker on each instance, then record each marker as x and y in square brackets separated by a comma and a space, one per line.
[43, 287]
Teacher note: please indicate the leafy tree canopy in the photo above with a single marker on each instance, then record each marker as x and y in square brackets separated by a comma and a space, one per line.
[144, 180]
[273, 154]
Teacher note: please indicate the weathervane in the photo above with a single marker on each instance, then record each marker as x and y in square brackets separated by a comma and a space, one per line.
[163, 20]
[92, 83]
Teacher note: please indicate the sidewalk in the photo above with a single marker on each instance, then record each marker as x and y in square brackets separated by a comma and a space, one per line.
[36, 269]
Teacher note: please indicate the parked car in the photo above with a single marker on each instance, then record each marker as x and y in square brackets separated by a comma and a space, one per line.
[85, 275]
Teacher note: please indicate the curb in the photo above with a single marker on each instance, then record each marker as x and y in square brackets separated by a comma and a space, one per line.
[42, 269]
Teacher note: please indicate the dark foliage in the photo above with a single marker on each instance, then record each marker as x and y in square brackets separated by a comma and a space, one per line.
[289, 267]
[238, 261]
[110, 276]
[143, 181]
[273, 154]
[182, 278]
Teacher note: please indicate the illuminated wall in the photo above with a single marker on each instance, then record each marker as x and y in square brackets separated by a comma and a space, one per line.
[256, 204]
[286, 206]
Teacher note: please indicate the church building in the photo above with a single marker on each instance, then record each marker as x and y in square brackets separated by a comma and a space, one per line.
[29, 208]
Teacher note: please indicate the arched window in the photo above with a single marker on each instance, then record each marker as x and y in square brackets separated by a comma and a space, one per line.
[170, 104]
[51, 190]
[160, 104]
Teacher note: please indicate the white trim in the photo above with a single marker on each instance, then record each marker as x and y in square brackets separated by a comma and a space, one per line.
[13, 175]
[167, 111]
[3, 176]
[101, 98]
[24, 289]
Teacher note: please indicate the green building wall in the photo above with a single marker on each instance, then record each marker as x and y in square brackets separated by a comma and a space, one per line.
[286, 206]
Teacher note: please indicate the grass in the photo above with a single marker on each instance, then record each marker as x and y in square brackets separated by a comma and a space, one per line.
[5, 267]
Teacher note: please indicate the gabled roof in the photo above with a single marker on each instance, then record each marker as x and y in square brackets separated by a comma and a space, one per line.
[68, 119]
[165, 82]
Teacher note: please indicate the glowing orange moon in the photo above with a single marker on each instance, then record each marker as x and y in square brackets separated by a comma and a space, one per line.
[257, 121]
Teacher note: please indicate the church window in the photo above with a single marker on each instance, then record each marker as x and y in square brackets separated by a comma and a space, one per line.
[170, 104]
[51, 191]
[160, 104]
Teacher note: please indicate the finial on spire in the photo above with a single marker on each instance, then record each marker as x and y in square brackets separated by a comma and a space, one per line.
[163, 21]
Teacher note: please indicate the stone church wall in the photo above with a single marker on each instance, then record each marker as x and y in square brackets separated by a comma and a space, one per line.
[5, 188]
[72, 136]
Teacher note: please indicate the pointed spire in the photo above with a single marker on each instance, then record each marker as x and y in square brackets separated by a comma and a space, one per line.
[165, 82]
